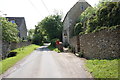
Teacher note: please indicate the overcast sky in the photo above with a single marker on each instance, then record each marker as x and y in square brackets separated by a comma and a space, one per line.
[35, 10]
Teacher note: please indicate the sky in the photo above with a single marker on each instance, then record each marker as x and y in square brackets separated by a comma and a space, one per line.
[36, 10]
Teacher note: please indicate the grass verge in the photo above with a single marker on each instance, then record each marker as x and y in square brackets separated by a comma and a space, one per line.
[54, 49]
[103, 68]
[21, 53]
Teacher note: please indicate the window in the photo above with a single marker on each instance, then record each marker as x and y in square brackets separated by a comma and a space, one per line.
[65, 33]
[82, 8]
[12, 21]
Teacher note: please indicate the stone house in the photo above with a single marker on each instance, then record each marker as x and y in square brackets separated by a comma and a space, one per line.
[20, 21]
[71, 18]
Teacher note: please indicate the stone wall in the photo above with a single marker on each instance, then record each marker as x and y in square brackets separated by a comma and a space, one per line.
[73, 43]
[104, 44]
[6, 47]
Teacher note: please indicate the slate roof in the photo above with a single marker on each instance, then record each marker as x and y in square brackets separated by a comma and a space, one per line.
[18, 20]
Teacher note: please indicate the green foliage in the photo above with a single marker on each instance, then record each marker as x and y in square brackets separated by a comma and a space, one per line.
[9, 30]
[37, 39]
[53, 42]
[108, 28]
[57, 50]
[52, 26]
[49, 28]
[78, 28]
[88, 13]
[103, 68]
[22, 52]
[45, 39]
[54, 49]
[100, 28]
[30, 34]
[91, 25]
[108, 15]
[104, 16]
[38, 36]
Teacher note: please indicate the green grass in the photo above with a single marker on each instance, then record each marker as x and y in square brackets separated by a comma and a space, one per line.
[103, 68]
[54, 49]
[21, 53]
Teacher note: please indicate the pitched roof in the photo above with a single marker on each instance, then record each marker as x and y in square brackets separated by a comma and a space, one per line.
[80, 1]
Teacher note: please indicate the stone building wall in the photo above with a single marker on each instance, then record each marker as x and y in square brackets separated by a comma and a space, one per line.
[71, 18]
[23, 29]
[104, 44]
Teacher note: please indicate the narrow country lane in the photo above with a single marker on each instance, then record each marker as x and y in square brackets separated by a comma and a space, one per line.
[43, 63]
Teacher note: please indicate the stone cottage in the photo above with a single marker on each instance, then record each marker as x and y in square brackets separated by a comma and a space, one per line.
[20, 21]
[71, 18]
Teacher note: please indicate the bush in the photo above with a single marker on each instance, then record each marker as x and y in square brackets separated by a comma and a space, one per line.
[37, 39]
[53, 42]
[104, 27]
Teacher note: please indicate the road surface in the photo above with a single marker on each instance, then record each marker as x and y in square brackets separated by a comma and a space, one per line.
[43, 63]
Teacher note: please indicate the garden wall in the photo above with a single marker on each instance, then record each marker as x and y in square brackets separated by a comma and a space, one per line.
[73, 43]
[104, 44]
[6, 47]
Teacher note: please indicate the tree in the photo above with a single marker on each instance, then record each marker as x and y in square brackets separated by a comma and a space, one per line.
[38, 36]
[9, 30]
[52, 26]
[30, 34]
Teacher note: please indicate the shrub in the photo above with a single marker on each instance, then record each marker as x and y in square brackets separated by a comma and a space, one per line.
[53, 42]
[78, 28]
[37, 39]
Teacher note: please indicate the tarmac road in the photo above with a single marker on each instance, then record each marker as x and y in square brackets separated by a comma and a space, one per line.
[43, 63]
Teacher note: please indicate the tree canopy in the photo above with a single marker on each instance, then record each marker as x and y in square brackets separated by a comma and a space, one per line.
[30, 34]
[9, 30]
[38, 36]
[51, 26]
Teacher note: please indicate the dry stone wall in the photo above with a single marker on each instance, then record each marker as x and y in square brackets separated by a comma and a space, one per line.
[104, 44]
[6, 47]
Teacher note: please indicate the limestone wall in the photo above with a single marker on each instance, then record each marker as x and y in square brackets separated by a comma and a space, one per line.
[73, 43]
[104, 44]
[6, 47]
